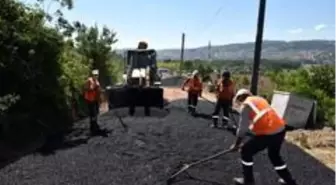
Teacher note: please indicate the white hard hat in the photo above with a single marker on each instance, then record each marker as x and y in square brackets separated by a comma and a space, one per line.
[195, 72]
[242, 92]
[239, 93]
[95, 72]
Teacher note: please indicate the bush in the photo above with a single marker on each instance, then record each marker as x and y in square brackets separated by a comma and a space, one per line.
[42, 75]
[317, 83]
[30, 68]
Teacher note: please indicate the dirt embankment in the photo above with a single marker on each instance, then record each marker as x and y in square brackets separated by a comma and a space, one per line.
[318, 143]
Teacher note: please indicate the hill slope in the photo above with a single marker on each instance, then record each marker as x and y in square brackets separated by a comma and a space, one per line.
[319, 50]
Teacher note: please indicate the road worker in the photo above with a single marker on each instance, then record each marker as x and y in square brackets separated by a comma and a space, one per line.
[268, 130]
[92, 97]
[194, 88]
[218, 78]
[225, 91]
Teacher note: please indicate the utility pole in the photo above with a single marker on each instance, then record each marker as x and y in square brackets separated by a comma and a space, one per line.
[209, 51]
[182, 53]
[258, 47]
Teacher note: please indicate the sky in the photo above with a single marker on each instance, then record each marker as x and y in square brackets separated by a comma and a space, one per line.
[161, 22]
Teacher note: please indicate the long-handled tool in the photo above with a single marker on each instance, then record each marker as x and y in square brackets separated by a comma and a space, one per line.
[187, 166]
[232, 110]
[206, 99]
[121, 121]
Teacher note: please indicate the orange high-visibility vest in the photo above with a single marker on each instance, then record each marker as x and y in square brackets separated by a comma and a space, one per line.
[91, 95]
[265, 121]
[225, 92]
[194, 85]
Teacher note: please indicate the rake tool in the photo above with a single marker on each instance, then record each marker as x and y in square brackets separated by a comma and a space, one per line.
[209, 101]
[187, 166]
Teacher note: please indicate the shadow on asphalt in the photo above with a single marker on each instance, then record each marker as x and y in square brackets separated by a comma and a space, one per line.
[59, 143]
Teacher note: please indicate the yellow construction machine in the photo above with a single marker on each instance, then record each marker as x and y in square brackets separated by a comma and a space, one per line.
[141, 86]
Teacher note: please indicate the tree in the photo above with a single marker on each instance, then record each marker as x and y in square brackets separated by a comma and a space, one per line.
[187, 66]
[204, 71]
[27, 72]
[95, 45]
[43, 69]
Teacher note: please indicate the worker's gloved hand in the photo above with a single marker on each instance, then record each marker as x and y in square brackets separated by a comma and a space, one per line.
[234, 147]
[237, 145]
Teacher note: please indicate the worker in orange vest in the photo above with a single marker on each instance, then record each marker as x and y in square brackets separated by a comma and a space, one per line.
[194, 88]
[225, 91]
[92, 97]
[268, 130]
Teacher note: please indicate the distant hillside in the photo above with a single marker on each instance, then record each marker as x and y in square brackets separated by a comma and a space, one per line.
[318, 50]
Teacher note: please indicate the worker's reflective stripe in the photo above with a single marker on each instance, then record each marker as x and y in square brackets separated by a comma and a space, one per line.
[225, 118]
[215, 116]
[280, 167]
[247, 163]
[259, 114]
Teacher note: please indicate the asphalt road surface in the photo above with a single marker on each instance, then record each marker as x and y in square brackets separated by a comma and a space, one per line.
[149, 151]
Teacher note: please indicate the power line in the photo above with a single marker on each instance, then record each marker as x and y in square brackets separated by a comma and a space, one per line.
[211, 21]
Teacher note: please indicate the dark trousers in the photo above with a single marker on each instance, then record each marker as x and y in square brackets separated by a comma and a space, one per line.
[192, 101]
[225, 105]
[93, 114]
[273, 144]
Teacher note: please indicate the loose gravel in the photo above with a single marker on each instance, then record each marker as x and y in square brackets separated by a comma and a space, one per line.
[149, 151]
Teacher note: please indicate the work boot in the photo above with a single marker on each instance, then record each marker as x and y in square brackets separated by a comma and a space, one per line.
[285, 177]
[283, 182]
[189, 109]
[147, 111]
[225, 123]
[214, 123]
[193, 111]
[242, 181]
[99, 132]
[248, 176]
[94, 129]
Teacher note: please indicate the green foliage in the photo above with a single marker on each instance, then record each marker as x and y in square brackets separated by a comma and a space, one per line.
[7, 101]
[188, 66]
[43, 69]
[245, 81]
[171, 65]
[95, 45]
[29, 56]
[317, 82]
[235, 66]
[204, 68]
[204, 71]
[115, 69]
